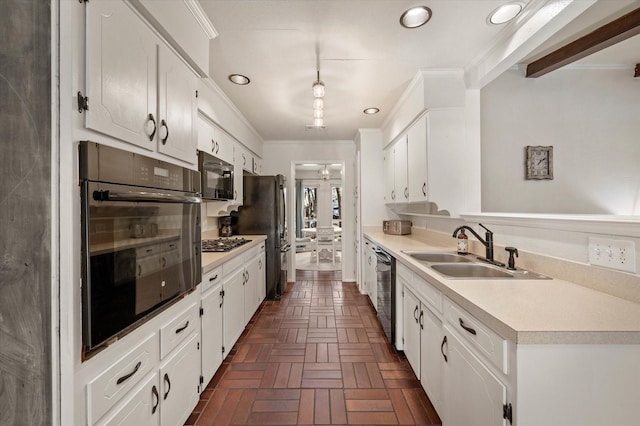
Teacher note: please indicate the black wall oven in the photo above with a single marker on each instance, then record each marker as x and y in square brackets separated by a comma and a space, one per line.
[140, 239]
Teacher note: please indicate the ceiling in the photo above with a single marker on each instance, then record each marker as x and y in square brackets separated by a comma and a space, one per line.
[365, 58]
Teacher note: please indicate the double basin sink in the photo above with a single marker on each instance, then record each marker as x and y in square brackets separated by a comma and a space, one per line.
[457, 266]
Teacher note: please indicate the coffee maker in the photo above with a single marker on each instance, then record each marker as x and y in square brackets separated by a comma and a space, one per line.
[225, 226]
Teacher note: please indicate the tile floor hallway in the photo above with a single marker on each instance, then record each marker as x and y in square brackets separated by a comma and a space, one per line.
[317, 356]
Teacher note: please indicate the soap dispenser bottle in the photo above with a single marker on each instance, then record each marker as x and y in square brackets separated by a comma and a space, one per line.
[463, 243]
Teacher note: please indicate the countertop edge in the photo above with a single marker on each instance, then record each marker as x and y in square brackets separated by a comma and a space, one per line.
[213, 260]
[522, 337]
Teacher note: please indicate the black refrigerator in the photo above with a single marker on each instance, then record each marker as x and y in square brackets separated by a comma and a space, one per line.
[264, 212]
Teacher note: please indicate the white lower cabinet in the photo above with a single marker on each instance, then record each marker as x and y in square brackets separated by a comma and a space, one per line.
[140, 408]
[179, 379]
[411, 315]
[233, 308]
[473, 394]
[431, 357]
[211, 326]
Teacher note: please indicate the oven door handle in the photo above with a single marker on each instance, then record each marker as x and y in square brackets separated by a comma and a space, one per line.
[142, 196]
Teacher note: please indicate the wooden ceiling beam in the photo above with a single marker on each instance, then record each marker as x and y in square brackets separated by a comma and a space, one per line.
[607, 35]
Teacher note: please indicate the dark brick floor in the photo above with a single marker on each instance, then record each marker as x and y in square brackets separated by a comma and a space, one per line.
[317, 356]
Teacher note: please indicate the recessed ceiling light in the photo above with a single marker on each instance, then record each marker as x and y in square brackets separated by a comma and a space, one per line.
[505, 13]
[415, 17]
[239, 79]
[371, 111]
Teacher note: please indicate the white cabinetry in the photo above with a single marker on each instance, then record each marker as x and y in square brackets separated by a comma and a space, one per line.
[395, 172]
[137, 89]
[244, 277]
[422, 332]
[214, 141]
[370, 275]
[429, 161]
[179, 376]
[211, 323]
[154, 382]
[472, 393]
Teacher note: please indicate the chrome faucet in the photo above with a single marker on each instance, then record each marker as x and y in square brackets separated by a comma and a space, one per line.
[487, 242]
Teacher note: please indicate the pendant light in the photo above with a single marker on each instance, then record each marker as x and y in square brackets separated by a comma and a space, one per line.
[318, 102]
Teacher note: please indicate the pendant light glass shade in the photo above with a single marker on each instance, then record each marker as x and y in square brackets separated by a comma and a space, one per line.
[318, 89]
[318, 113]
[318, 122]
[318, 103]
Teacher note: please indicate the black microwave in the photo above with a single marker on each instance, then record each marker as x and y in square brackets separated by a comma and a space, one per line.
[216, 176]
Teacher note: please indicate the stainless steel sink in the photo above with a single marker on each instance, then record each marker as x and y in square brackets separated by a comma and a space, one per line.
[482, 271]
[438, 257]
[473, 270]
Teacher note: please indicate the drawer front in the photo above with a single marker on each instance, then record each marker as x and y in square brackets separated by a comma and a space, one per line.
[477, 335]
[405, 274]
[181, 327]
[232, 265]
[428, 293]
[210, 279]
[108, 388]
[254, 251]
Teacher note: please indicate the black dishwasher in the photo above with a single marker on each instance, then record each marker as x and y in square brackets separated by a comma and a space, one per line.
[386, 277]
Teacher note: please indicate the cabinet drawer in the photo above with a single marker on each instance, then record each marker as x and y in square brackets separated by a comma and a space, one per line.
[477, 335]
[211, 278]
[405, 274]
[174, 332]
[230, 266]
[108, 388]
[253, 251]
[428, 293]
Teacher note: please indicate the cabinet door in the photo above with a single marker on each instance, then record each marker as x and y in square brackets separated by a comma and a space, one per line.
[411, 313]
[224, 145]
[180, 379]
[251, 288]
[206, 141]
[472, 394]
[372, 274]
[431, 358]
[233, 308]
[400, 170]
[211, 332]
[417, 161]
[121, 75]
[238, 183]
[140, 407]
[177, 108]
[262, 286]
[389, 176]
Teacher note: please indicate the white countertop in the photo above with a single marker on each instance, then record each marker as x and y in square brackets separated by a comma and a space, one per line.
[527, 311]
[212, 260]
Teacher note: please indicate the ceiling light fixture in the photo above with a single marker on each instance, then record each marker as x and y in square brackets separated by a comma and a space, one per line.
[505, 13]
[415, 17]
[371, 111]
[325, 174]
[239, 79]
[318, 102]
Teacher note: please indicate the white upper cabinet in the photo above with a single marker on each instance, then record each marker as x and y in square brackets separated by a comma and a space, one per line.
[177, 107]
[417, 161]
[214, 141]
[389, 178]
[137, 89]
[122, 57]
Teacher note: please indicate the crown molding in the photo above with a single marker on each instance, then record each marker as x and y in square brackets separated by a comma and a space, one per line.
[203, 20]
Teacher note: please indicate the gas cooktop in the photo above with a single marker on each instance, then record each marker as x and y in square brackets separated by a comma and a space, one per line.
[222, 244]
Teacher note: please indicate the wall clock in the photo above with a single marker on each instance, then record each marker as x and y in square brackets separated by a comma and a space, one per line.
[539, 162]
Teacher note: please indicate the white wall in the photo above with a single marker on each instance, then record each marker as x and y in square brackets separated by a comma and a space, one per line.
[279, 157]
[591, 117]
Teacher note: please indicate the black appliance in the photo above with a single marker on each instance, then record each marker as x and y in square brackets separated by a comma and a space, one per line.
[264, 212]
[386, 285]
[129, 275]
[216, 177]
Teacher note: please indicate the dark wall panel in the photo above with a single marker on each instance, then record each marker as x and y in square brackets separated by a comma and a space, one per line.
[25, 219]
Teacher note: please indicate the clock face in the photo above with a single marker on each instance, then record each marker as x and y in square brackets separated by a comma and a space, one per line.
[539, 162]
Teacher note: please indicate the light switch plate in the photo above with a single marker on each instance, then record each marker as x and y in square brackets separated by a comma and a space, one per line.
[614, 254]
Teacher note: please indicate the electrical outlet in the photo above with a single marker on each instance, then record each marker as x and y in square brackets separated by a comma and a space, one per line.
[614, 254]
